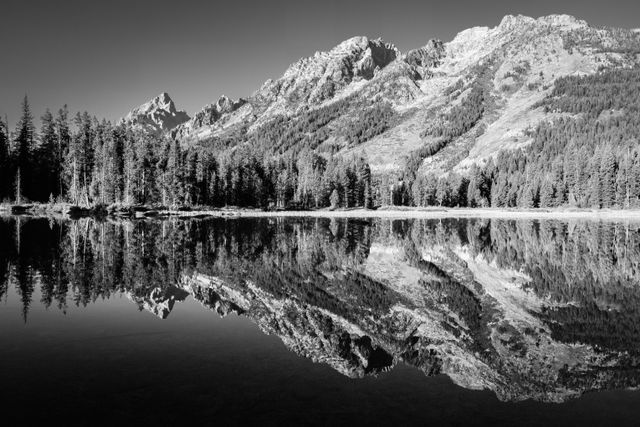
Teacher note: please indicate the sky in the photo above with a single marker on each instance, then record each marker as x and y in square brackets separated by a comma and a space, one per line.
[109, 56]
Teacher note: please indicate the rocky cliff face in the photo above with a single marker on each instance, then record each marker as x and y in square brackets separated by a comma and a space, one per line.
[515, 63]
[207, 118]
[318, 78]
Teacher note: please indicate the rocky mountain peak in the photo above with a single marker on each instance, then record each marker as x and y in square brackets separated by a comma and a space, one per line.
[511, 22]
[318, 78]
[157, 115]
[563, 20]
[227, 105]
[351, 44]
[426, 56]
[160, 102]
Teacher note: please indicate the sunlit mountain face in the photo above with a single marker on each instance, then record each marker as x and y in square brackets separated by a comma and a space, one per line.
[542, 310]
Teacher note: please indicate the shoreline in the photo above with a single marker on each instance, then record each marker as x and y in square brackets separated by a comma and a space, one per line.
[399, 212]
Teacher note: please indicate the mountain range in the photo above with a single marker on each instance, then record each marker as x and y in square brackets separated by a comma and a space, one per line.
[366, 98]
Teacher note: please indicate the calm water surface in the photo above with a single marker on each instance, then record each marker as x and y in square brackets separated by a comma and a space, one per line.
[319, 321]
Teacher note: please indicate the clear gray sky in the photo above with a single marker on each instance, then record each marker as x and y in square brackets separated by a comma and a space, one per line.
[109, 56]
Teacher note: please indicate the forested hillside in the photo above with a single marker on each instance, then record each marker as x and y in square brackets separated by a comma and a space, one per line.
[532, 113]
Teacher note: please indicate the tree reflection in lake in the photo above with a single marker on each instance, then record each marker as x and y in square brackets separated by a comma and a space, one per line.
[544, 310]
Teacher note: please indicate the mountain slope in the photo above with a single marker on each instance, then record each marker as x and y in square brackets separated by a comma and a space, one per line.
[517, 100]
[514, 65]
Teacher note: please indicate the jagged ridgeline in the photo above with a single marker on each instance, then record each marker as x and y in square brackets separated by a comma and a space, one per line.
[531, 113]
[541, 310]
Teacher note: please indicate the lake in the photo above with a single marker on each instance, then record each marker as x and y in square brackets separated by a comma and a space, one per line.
[320, 321]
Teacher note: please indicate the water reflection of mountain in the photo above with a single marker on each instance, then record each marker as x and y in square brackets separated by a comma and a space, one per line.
[543, 310]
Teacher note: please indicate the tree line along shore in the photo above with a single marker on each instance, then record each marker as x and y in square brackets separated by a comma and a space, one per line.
[588, 158]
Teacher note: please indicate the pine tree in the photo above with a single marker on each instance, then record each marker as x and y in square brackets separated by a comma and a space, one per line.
[364, 184]
[311, 168]
[621, 189]
[442, 192]
[129, 167]
[46, 155]
[63, 138]
[368, 196]
[557, 176]
[80, 159]
[476, 188]
[174, 171]
[334, 199]
[190, 178]
[111, 159]
[594, 181]
[499, 191]
[634, 179]
[547, 193]
[23, 153]
[527, 198]
[172, 184]
[100, 187]
[457, 190]
[5, 162]
[607, 178]
[348, 186]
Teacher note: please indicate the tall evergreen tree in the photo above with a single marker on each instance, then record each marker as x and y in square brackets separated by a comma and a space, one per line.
[23, 153]
[607, 177]
[348, 187]
[595, 183]
[5, 162]
[46, 159]
[621, 188]
[174, 174]
[63, 139]
[547, 193]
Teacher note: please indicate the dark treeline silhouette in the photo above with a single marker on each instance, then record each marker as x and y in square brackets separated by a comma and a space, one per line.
[87, 162]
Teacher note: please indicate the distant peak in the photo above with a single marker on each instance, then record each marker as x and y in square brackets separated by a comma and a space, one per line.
[158, 114]
[164, 97]
[362, 43]
[355, 41]
[515, 20]
[163, 101]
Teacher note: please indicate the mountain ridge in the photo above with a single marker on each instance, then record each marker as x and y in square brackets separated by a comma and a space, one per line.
[517, 63]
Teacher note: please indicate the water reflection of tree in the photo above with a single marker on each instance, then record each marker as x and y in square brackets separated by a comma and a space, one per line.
[82, 261]
[587, 271]
[317, 271]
